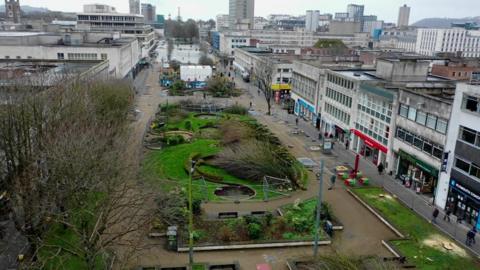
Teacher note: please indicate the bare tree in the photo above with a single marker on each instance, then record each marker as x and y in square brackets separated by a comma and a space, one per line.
[67, 172]
[263, 74]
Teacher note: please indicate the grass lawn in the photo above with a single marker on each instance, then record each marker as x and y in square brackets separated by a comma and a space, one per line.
[424, 247]
[199, 267]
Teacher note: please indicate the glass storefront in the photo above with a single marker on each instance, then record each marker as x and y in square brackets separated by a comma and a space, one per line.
[416, 174]
[465, 203]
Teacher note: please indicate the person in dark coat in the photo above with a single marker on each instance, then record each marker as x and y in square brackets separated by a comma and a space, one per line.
[380, 168]
[333, 178]
[435, 215]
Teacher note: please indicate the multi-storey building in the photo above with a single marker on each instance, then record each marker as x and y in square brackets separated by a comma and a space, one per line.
[420, 136]
[403, 16]
[311, 20]
[459, 185]
[134, 6]
[297, 39]
[222, 22]
[432, 41]
[355, 11]
[149, 12]
[241, 12]
[129, 25]
[123, 54]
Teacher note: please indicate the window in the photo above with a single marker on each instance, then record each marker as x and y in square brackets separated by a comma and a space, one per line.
[412, 113]
[462, 165]
[409, 138]
[431, 121]
[418, 142]
[471, 103]
[442, 126]
[421, 118]
[104, 56]
[427, 148]
[437, 152]
[401, 134]
[475, 171]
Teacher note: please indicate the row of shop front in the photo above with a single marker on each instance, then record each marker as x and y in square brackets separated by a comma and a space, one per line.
[411, 171]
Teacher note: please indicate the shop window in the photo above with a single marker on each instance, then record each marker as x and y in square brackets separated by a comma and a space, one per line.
[442, 126]
[468, 135]
[431, 121]
[412, 113]
[462, 165]
[421, 118]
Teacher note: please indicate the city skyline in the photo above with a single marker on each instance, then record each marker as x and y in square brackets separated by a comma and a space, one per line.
[198, 10]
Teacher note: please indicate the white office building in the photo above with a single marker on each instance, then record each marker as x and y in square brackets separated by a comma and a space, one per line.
[241, 12]
[459, 184]
[94, 19]
[431, 41]
[312, 20]
[123, 54]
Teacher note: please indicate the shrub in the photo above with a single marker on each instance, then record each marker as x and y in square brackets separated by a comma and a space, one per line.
[236, 109]
[251, 220]
[197, 235]
[172, 140]
[268, 219]
[197, 206]
[188, 125]
[225, 234]
[254, 230]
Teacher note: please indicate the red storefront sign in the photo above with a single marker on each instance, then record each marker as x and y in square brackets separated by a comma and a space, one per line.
[369, 141]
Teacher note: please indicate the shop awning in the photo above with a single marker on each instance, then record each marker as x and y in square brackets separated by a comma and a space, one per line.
[370, 142]
[419, 163]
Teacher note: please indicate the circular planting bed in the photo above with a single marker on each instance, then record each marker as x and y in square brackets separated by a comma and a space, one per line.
[185, 134]
[206, 116]
[235, 192]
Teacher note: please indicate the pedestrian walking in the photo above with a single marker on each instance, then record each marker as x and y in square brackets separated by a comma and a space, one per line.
[258, 91]
[347, 144]
[333, 178]
[380, 168]
[435, 215]
[474, 233]
[448, 212]
[470, 238]
[296, 121]
[250, 104]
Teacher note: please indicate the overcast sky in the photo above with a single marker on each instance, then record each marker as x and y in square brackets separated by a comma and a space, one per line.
[203, 9]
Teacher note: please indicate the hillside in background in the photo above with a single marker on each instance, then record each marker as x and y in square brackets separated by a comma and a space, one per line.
[444, 22]
[28, 9]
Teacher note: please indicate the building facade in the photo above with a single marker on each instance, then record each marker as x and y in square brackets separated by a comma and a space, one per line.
[149, 12]
[128, 25]
[459, 185]
[403, 16]
[241, 12]
[311, 20]
[432, 41]
[420, 137]
[123, 54]
[222, 22]
[134, 6]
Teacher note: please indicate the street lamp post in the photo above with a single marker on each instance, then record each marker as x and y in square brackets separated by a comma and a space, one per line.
[319, 206]
[190, 214]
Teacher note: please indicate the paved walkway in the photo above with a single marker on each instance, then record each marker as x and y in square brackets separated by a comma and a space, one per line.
[420, 204]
